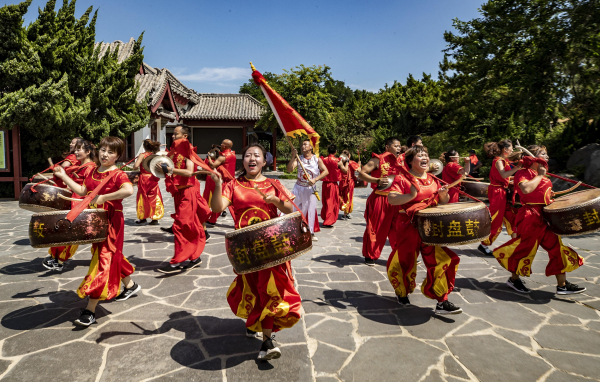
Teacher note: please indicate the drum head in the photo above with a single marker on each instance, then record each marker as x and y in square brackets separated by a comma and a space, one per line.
[580, 198]
[451, 207]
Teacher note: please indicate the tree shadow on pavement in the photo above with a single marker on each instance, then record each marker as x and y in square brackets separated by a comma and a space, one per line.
[220, 338]
[340, 261]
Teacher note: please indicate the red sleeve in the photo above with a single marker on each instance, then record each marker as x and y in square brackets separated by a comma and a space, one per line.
[287, 195]
[454, 168]
[227, 191]
[120, 179]
[523, 176]
[400, 185]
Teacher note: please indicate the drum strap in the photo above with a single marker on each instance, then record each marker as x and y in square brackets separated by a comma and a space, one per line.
[281, 191]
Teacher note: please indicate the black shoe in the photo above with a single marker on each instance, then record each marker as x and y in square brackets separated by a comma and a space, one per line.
[86, 318]
[48, 263]
[153, 222]
[253, 334]
[348, 217]
[223, 214]
[193, 264]
[343, 217]
[569, 289]
[169, 269]
[517, 285]
[167, 230]
[140, 221]
[268, 351]
[370, 262]
[128, 292]
[447, 307]
[485, 250]
[211, 224]
[58, 266]
[207, 236]
[327, 226]
[403, 300]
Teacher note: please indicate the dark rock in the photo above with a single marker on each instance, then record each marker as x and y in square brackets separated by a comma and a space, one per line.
[592, 171]
[582, 156]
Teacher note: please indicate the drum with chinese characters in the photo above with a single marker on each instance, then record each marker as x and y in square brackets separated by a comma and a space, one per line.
[44, 197]
[574, 214]
[267, 244]
[476, 189]
[454, 224]
[52, 229]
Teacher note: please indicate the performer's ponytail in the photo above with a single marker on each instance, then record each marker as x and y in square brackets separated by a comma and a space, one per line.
[494, 149]
[445, 157]
[152, 146]
[518, 155]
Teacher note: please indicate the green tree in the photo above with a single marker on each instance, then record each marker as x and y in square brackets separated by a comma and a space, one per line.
[54, 86]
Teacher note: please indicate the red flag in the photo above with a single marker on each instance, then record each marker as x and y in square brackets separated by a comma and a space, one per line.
[289, 120]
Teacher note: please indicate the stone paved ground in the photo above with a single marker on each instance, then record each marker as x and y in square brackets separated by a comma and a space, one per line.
[181, 328]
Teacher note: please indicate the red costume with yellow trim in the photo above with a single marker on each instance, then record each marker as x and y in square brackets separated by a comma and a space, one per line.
[347, 188]
[532, 231]
[267, 299]
[108, 265]
[501, 209]
[450, 174]
[441, 262]
[209, 187]
[190, 209]
[71, 158]
[331, 190]
[381, 217]
[78, 175]
[149, 199]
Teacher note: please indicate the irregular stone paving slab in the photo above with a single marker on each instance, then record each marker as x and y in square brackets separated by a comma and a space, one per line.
[181, 327]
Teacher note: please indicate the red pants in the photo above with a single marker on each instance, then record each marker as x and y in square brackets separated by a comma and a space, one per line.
[382, 223]
[209, 188]
[187, 228]
[517, 254]
[266, 299]
[331, 203]
[149, 198]
[347, 195]
[502, 212]
[108, 265]
[441, 264]
[63, 253]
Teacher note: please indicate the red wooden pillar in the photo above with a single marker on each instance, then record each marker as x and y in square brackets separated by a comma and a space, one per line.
[17, 170]
[274, 149]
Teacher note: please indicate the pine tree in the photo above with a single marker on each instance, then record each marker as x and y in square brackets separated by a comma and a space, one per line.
[54, 86]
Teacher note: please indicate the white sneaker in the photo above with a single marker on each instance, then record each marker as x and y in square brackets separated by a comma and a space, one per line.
[314, 238]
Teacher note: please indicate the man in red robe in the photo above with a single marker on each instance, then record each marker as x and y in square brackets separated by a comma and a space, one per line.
[381, 217]
[331, 190]
[190, 208]
[225, 161]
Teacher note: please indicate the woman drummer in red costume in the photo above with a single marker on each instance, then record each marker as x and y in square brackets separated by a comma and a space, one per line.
[441, 262]
[108, 266]
[453, 171]
[85, 153]
[149, 199]
[501, 208]
[516, 255]
[347, 186]
[271, 301]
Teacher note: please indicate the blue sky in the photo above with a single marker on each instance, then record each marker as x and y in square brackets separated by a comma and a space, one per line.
[208, 44]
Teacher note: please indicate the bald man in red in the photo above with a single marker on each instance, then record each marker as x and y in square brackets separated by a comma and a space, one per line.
[225, 161]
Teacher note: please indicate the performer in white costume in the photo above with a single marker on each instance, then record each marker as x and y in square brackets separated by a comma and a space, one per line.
[305, 188]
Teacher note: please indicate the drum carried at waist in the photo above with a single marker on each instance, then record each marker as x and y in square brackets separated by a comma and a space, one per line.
[52, 229]
[574, 214]
[454, 224]
[44, 199]
[477, 190]
[267, 244]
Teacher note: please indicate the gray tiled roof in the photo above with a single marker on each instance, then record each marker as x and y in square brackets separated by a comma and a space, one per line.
[125, 49]
[238, 107]
[205, 106]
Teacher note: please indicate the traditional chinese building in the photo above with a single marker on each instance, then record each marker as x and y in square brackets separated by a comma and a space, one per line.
[212, 117]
